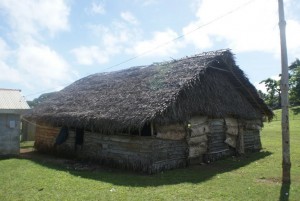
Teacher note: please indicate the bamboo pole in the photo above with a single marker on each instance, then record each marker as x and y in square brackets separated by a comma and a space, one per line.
[284, 85]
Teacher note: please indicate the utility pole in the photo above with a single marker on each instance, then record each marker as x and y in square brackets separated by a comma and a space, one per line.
[284, 85]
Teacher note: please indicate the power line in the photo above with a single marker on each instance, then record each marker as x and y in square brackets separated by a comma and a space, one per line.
[167, 42]
[183, 35]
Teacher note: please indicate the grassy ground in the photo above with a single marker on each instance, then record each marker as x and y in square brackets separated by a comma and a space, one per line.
[293, 115]
[254, 177]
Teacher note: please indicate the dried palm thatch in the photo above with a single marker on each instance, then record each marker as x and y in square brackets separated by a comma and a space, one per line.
[207, 84]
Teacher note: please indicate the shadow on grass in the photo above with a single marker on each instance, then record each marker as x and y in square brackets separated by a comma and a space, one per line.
[284, 192]
[192, 174]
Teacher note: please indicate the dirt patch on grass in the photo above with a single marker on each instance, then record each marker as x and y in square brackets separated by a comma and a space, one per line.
[32, 154]
[271, 181]
[26, 150]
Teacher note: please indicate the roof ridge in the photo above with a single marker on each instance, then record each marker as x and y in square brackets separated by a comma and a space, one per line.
[202, 54]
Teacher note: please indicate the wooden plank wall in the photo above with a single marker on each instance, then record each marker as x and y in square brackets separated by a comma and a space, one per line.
[45, 137]
[147, 153]
[141, 153]
[168, 154]
[197, 139]
[252, 140]
[252, 135]
[217, 148]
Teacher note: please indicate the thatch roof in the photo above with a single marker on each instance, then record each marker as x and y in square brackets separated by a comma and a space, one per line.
[207, 84]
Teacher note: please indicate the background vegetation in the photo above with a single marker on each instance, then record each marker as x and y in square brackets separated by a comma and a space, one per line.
[272, 97]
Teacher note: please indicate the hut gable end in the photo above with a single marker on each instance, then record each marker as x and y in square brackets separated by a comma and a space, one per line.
[220, 99]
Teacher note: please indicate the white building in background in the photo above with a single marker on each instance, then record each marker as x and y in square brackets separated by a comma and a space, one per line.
[12, 105]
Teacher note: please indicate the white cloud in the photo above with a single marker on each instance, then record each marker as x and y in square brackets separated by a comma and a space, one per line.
[199, 39]
[42, 66]
[242, 30]
[9, 74]
[161, 44]
[121, 37]
[97, 8]
[109, 41]
[260, 86]
[129, 17]
[90, 55]
[292, 34]
[4, 49]
[28, 18]
[27, 61]
[114, 37]
[35, 66]
[276, 77]
[252, 27]
[146, 2]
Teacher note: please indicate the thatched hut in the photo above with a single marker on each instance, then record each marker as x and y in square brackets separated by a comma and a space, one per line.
[166, 115]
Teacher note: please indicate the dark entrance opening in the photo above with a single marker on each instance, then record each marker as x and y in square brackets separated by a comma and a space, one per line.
[146, 130]
[79, 133]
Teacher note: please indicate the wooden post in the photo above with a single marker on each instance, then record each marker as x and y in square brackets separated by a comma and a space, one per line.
[284, 85]
[241, 138]
[152, 128]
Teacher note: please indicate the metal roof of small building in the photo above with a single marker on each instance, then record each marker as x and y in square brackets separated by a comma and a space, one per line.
[11, 99]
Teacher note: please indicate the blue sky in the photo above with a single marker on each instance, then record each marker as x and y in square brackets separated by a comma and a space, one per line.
[46, 45]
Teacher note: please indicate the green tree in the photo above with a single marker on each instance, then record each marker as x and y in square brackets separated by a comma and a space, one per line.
[294, 82]
[272, 98]
[262, 95]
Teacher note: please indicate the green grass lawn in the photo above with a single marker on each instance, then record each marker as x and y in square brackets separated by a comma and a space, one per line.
[254, 177]
[294, 114]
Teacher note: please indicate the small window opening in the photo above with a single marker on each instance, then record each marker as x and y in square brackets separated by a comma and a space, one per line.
[62, 135]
